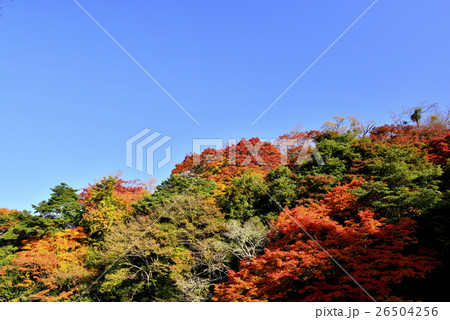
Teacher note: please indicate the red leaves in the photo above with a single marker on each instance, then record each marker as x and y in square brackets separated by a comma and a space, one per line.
[407, 134]
[339, 202]
[231, 160]
[439, 150]
[295, 268]
[254, 152]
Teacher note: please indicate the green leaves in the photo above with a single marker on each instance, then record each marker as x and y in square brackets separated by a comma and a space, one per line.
[64, 203]
[245, 198]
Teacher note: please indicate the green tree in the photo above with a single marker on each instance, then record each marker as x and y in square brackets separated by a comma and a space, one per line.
[338, 152]
[281, 184]
[175, 184]
[17, 226]
[404, 182]
[245, 198]
[64, 202]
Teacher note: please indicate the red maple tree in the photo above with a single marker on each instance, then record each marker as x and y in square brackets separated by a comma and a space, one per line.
[295, 268]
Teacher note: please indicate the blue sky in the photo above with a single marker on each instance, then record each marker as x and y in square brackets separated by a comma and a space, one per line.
[70, 97]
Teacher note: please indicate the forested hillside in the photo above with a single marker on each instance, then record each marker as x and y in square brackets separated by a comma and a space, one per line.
[363, 216]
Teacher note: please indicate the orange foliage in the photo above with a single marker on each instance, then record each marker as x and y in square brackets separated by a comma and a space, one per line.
[6, 212]
[54, 265]
[341, 203]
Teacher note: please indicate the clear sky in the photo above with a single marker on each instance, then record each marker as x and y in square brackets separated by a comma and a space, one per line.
[70, 97]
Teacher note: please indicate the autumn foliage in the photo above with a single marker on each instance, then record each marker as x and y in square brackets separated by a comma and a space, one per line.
[350, 212]
[295, 266]
[231, 161]
[407, 134]
[52, 268]
[109, 201]
[439, 150]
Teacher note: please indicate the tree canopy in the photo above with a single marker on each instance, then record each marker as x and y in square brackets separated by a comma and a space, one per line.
[348, 212]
